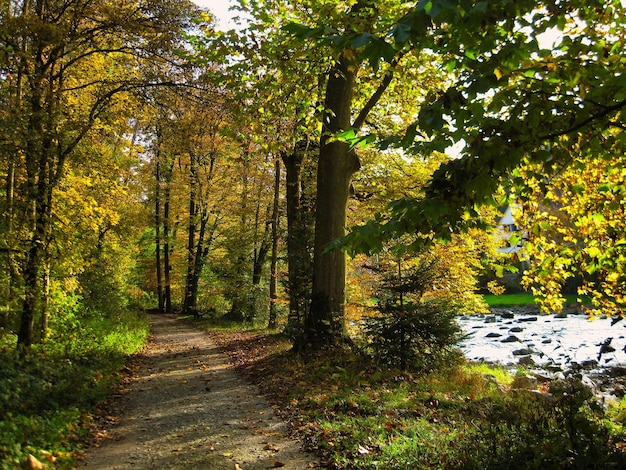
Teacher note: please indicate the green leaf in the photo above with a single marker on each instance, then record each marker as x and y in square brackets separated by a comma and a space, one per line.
[361, 40]
[401, 33]
[451, 65]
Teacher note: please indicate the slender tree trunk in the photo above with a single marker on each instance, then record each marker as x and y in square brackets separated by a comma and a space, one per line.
[262, 245]
[273, 314]
[201, 251]
[239, 310]
[337, 163]
[204, 241]
[261, 257]
[45, 313]
[167, 268]
[9, 236]
[158, 241]
[188, 308]
[298, 236]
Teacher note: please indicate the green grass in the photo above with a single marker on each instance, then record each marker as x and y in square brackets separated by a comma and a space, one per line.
[460, 418]
[521, 300]
[362, 416]
[46, 396]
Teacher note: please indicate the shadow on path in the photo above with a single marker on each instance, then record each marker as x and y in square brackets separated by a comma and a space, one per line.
[188, 410]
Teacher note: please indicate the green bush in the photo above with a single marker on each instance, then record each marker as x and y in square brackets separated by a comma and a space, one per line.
[46, 394]
[414, 336]
[563, 429]
[415, 328]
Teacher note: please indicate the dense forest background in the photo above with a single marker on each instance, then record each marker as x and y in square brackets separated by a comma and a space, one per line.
[151, 159]
[333, 170]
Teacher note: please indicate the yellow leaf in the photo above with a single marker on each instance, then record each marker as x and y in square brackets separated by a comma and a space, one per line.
[593, 251]
[33, 463]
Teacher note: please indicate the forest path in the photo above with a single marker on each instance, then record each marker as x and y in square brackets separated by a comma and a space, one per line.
[187, 409]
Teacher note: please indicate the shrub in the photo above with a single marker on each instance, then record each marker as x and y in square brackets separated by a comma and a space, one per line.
[46, 395]
[565, 429]
[413, 330]
[414, 336]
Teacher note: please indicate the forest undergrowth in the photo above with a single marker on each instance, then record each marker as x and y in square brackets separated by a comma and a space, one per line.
[357, 415]
[48, 395]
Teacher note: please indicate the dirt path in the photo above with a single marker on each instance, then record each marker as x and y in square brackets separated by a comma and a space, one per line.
[188, 410]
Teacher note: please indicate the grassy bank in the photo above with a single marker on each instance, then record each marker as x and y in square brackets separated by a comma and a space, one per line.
[46, 396]
[521, 300]
[360, 416]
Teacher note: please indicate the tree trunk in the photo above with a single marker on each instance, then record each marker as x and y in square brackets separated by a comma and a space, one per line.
[273, 314]
[42, 172]
[190, 305]
[298, 236]
[158, 241]
[202, 250]
[33, 264]
[45, 313]
[167, 268]
[337, 163]
[203, 242]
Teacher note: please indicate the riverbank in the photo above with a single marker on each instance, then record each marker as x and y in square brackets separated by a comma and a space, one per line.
[550, 345]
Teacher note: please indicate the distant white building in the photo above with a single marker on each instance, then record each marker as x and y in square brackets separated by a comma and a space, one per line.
[505, 228]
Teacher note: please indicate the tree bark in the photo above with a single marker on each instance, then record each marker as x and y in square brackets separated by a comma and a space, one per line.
[337, 164]
[157, 236]
[190, 302]
[273, 311]
[167, 268]
[299, 234]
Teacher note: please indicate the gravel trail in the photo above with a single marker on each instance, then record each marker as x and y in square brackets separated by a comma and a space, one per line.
[187, 409]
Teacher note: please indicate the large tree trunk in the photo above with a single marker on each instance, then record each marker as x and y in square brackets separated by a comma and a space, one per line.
[33, 263]
[43, 171]
[337, 163]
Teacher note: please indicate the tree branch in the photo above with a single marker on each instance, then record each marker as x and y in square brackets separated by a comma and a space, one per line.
[360, 119]
[605, 112]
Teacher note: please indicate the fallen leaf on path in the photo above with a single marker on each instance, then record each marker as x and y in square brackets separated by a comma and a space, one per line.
[48, 456]
[33, 463]
[277, 464]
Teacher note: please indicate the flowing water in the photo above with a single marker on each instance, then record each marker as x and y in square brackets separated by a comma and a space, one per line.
[547, 342]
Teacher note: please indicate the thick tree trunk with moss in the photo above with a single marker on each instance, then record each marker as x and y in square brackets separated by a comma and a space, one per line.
[337, 163]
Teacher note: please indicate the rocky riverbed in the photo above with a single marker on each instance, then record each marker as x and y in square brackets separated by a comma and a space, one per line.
[550, 345]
